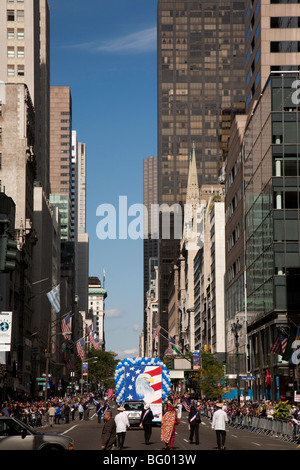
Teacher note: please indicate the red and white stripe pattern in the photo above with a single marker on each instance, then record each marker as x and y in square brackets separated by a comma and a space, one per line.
[156, 384]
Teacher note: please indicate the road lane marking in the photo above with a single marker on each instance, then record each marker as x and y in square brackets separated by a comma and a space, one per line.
[70, 429]
[256, 444]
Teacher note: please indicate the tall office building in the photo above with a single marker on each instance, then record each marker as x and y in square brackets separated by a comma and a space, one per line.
[150, 243]
[60, 155]
[25, 58]
[272, 42]
[78, 222]
[200, 73]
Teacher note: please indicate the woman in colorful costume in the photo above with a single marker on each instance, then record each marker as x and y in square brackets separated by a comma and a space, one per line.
[168, 423]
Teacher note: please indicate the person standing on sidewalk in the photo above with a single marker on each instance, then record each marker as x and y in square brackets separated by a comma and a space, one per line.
[219, 421]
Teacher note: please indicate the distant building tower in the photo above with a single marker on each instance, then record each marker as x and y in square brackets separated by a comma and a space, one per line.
[97, 296]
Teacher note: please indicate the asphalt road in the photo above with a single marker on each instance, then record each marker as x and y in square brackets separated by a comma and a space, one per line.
[87, 436]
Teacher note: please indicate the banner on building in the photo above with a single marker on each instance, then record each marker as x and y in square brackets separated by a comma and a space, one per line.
[196, 360]
[5, 331]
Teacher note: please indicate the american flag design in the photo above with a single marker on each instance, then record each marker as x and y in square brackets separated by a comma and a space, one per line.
[143, 383]
[66, 327]
[80, 348]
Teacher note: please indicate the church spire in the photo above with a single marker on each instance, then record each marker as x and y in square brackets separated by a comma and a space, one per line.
[192, 195]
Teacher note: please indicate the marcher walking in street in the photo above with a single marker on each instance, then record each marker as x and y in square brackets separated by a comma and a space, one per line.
[168, 423]
[146, 423]
[122, 423]
[108, 436]
[51, 415]
[57, 415]
[80, 411]
[194, 421]
[67, 410]
[218, 424]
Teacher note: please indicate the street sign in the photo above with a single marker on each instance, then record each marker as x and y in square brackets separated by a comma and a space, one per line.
[247, 377]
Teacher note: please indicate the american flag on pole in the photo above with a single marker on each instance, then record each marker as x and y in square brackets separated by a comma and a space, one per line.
[93, 340]
[66, 326]
[155, 333]
[279, 345]
[80, 349]
[54, 298]
[186, 404]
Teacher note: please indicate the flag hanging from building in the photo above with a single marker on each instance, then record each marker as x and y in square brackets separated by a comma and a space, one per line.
[279, 345]
[54, 298]
[155, 333]
[80, 348]
[172, 350]
[292, 347]
[66, 326]
[93, 341]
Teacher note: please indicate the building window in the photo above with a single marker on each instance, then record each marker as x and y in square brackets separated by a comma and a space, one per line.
[285, 22]
[10, 15]
[11, 70]
[285, 1]
[285, 46]
[10, 33]
[20, 15]
[21, 70]
[21, 52]
[20, 34]
[10, 52]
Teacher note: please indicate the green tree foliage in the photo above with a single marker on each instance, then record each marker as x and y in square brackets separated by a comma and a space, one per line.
[281, 410]
[211, 376]
[101, 367]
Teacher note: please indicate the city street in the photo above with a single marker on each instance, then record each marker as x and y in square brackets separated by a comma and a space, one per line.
[87, 436]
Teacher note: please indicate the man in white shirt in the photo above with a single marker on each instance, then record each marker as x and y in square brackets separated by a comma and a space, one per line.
[122, 423]
[218, 424]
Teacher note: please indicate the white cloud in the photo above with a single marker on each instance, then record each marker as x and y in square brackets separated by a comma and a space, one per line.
[136, 327]
[127, 353]
[134, 43]
[113, 313]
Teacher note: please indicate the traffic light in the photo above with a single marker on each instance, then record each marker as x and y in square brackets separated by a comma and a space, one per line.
[11, 255]
[8, 248]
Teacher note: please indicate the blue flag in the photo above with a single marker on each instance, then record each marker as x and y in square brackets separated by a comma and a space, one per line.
[54, 298]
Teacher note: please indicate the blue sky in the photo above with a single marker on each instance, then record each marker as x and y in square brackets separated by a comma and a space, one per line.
[106, 52]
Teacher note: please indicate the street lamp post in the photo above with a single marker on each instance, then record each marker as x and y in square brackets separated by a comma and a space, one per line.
[235, 330]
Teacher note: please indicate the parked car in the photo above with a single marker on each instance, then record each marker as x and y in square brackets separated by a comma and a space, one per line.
[16, 435]
[134, 410]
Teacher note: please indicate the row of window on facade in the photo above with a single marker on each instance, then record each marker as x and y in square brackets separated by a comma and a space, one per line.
[13, 15]
[11, 71]
[11, 53]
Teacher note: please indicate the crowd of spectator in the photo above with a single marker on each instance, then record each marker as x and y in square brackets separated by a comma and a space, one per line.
[234, 409]
[37, 413]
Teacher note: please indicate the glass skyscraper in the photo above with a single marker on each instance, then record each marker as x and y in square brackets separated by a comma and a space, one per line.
[200, 79]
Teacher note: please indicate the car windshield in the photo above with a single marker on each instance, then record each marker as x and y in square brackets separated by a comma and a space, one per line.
[24, 425]
[133, 406]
